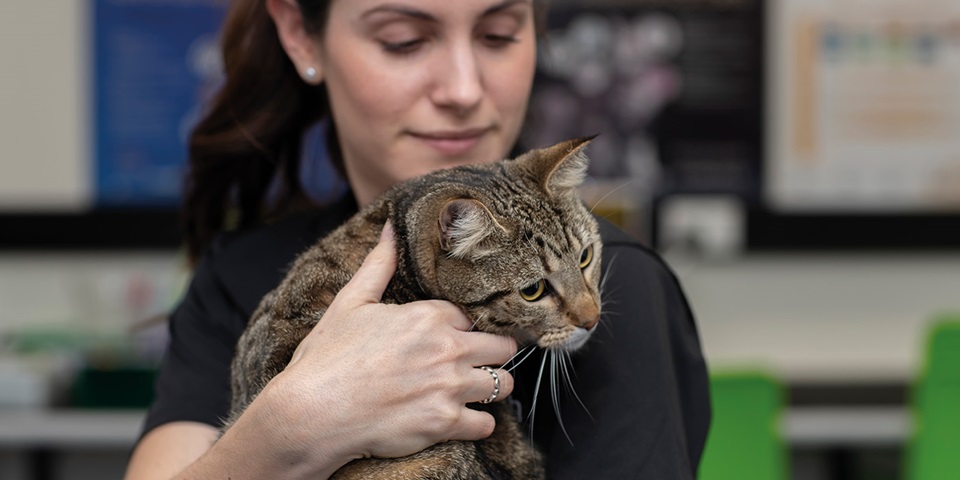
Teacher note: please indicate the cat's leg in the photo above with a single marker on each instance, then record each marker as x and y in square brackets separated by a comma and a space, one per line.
[444, 461]
[507, 451]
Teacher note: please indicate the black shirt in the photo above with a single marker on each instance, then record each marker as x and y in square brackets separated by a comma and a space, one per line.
[641, 377]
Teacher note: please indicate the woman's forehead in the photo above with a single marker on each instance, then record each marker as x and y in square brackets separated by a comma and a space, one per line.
[427, 9]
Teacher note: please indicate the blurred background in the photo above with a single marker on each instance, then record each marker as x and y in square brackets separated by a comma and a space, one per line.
[797, 162]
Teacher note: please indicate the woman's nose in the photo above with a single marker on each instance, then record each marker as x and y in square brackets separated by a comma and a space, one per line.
[459, 82]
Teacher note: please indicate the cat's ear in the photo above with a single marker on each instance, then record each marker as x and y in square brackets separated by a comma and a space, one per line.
[467, 229]
[561, 167]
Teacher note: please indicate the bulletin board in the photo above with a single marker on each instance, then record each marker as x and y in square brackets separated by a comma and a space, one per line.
[866, 98]
[674, 90]
[156, 63]
[863, 127]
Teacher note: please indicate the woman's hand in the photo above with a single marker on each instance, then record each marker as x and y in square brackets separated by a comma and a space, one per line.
[385, 380]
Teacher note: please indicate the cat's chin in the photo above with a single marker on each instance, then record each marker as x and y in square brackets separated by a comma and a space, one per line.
[577, 340]
[574, 341]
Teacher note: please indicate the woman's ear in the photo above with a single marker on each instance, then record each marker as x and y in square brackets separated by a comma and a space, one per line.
[301, 47]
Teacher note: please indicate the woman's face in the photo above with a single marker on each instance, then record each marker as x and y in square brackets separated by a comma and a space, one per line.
[419, 85]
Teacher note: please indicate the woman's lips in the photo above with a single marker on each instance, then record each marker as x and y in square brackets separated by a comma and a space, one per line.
[452, 143]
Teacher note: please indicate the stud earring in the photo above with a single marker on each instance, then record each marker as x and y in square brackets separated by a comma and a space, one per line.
[310, 73]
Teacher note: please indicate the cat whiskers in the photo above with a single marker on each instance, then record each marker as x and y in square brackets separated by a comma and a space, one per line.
[606, 274]
[555, 395]
[536, 393]
[561, 366]
[529, 349]
[530, 243]
[611, 192]
[606, 294]
[605, 311]
[567, 367]
[419, 284]
[475, 322]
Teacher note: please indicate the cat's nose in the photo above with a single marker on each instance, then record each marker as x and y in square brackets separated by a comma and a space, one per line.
[586, 312]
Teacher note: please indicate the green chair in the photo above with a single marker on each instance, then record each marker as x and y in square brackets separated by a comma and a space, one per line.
[934, 451]
[744, 441]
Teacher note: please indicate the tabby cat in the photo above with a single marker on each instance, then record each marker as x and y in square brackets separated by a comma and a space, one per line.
[509, 242]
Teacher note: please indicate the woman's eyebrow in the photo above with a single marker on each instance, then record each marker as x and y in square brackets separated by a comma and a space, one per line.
[420, 14]
[503, 6]
[401, 9]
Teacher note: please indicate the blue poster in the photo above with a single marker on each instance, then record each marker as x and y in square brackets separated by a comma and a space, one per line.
[156, 63]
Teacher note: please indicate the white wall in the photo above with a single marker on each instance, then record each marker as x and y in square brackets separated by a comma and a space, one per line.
[826, 317]
[44, 97]
[94, 291]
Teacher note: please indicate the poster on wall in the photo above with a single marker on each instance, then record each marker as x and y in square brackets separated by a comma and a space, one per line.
[866, 106]
[673, 90]
[155, 62]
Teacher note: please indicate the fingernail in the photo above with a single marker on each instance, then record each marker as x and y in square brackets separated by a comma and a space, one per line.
[387, 232]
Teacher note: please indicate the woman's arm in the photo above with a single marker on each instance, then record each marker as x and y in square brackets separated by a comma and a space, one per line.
[255, 447]
[167, 449]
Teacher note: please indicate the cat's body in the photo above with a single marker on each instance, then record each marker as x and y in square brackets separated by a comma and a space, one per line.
[509, 242]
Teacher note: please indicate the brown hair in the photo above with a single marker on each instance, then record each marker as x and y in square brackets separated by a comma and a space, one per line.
[252, 130]
[250, 135]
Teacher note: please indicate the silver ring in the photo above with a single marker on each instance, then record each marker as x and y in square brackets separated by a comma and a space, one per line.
[496, 384]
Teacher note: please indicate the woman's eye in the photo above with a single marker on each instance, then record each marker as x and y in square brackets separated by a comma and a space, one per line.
[586, 256]
[408, 46]
[498, 41]
[534, 290]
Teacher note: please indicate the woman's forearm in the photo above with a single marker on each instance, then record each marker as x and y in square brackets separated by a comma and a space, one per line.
[259, 445]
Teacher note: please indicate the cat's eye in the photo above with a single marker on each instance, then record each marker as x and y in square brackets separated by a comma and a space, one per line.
[534, 291]
[586, 256]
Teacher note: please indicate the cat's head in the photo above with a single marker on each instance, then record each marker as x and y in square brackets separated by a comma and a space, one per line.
[513, 244]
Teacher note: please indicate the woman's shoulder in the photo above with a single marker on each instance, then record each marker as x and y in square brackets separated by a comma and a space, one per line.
[628, 260]
[249, 263]
[615, 238]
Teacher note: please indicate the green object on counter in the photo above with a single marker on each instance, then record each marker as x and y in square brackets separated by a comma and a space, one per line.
[107, 370]
[744, 441]
[934, 450]
[67, 339]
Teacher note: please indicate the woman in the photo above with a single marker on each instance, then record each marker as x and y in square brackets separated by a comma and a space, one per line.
[407, 87]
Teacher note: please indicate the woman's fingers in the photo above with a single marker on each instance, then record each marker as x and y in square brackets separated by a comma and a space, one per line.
[371, 279]
[482, 385]
[488, 349]
[364, 288]
[473, 349]
[473, 425]
[480, 348]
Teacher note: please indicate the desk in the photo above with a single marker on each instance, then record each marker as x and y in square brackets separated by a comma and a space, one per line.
[66, 444]
[846, 426]
[57, 441]
[64, 429]
[799, 426]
